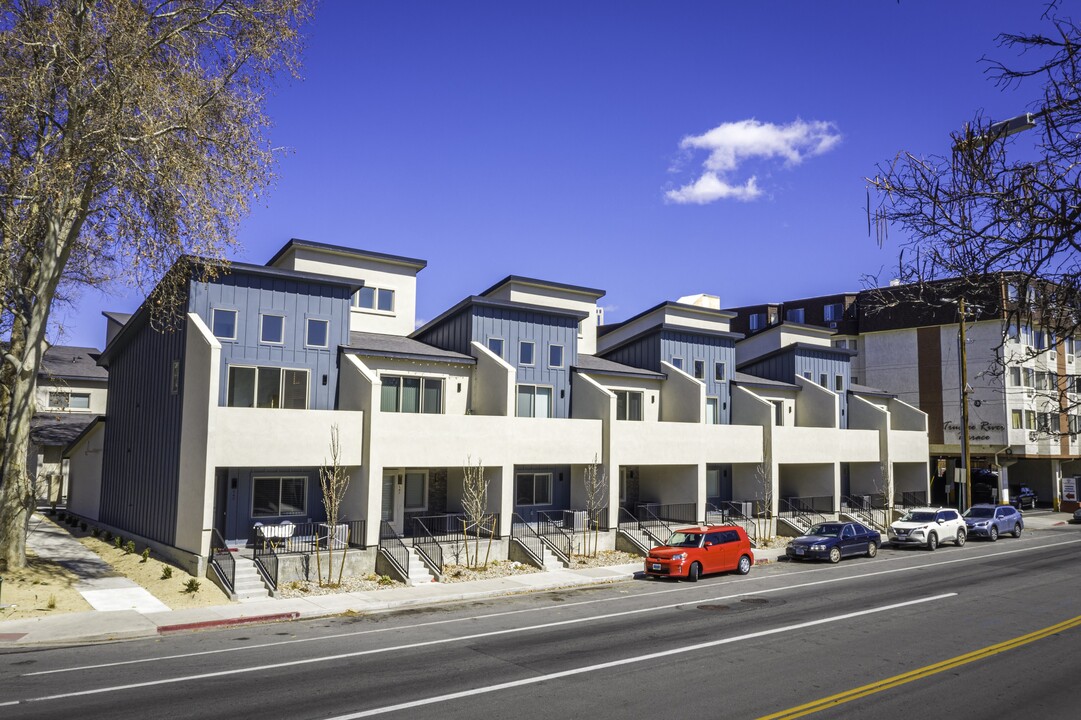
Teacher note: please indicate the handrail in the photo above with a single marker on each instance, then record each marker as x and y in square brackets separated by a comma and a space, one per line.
[626, 518]
[916, 498]
[527, 537]
[800, 516]
[674, 512]
[652, 521]
[553, 534]
[427, 546]
[222, 559]
[863, 507]
[392, 547]
[727, 517]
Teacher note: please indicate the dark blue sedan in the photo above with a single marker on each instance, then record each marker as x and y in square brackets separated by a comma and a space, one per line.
[833, 541]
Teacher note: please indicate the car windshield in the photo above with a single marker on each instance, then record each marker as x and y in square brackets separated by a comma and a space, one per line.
[682, 539]
[980, 512]
[919, 517]
[826, 530]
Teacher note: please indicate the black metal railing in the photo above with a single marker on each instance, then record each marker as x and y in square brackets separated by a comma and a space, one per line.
[634, 529]
[870, 509]
[742, 513]
[686, 513]
[308, 537]
[392, 547]
[799, 514]
[917, 498]
[526, 536]
[656, 525]
[425, 543]
[550, 528]
[266, 562]
[813, 504]
[221, 557]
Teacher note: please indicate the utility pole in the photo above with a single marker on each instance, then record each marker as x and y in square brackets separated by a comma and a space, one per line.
[966, 474]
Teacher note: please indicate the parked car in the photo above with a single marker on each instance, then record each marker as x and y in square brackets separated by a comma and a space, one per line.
[928, 527]
[1022, 495]
[696, 551]
[990, 521]
[833, 541]
[1077, 516]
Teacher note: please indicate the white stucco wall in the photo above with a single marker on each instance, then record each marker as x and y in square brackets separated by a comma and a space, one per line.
[493, 383]
[816, 406]
[84, 472]
[683, 399]
[97, 390]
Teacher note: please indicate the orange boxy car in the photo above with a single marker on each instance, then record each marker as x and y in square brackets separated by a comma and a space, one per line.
[695, 551]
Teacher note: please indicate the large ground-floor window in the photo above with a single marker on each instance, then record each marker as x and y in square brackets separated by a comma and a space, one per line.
[533, 489]
[278, 496]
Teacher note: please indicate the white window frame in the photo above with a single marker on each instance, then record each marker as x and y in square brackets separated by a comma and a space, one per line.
[532, 353]
[839, 383]
[281, 385]
[552, 348]
[442, 380]
[214, 320]
[502, 346]
[677, 362]
[279, 478]
[627, 404]
[1019, 416]
[308, 331]
[715, 418]
[535, 386]
[720, 371]
[405, 495]
[262, 317]
[535, 476]
[698, 368]
[66, 405]
[377, 293]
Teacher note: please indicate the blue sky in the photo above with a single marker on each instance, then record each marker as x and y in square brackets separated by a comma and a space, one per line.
[651, 149]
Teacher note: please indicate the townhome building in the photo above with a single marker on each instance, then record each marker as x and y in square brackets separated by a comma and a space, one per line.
[216, 431]
[1023, 420]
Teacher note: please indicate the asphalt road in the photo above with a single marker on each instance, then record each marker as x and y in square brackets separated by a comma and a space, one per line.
[979, 631]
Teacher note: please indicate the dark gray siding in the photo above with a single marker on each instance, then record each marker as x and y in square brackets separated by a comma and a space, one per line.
[297, 300]
[644, 352]
[543, 330]
[141, 460]
[710, 350]
[823, 362]
[780, 367]
[239, 520]
[561, 488]
[454, 333]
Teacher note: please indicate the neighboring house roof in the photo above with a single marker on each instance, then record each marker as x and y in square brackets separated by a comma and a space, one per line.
[119, 317]
[719, 314]
[594, 364]
[653, 329]
[867, 390]
[58, 428]
[97, 419]
[789, 325]
[396, 346]
[342, 250]
[594, 292]
[66, 362]
[753, 380]
[504, 304]
[798, 346]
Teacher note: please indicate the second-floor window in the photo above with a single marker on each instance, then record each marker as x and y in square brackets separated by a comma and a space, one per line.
[267, 387]
[272, 329]
[700, 369]
[69, 400]
[795, 315]
[839, 383]
[756, 321]
[411, 394]
[677, 363]
[833, 312]
[525, 353]
[534, 401]
[223, 324]
[628, 405]
[1016, 420]
[317, 333]
[713, 411]
[555, 356]
[720, 373]
[372, 298]
[496, 346]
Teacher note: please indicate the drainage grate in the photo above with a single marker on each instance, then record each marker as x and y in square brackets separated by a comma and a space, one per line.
[754, 601]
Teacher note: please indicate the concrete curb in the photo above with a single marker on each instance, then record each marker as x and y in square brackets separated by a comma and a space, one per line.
[228, 622]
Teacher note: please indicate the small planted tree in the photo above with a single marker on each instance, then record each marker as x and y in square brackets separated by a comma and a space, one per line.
[333, 481]
[762, 520]
[475, 507]
[596, 495]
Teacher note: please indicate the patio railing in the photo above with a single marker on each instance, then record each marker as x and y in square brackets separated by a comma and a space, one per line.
[799, 514]
[550, 527]
[640, 534]
[222, 559]
[652, 523]
[870, 509]
[736, 512]
[526, 536]
[685, 513]
[392, 547]
[914, 499]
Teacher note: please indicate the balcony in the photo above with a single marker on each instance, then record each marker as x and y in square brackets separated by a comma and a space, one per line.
[907, 445]
[274, 437]
[679, 443]
[805, 445]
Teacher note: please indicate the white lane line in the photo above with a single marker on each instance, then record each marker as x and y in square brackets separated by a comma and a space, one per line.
[428, 643]
[489, 616]
[629, 661]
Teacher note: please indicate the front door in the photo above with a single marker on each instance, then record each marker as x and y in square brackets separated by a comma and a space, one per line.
[393, 505]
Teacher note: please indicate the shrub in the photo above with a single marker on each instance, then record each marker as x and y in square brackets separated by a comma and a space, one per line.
[117, 542]
[96, 532]
[146, 554]
[108, 536]
[82, 526]
[386, 580]
[52, 602]
[191, 587]
[166, 572]
[129, 547]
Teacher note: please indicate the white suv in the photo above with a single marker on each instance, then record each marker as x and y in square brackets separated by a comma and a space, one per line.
[929, 527]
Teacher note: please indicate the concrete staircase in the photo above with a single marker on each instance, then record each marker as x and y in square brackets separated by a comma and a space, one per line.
[249, 583]
[418, 571]
[638, 537]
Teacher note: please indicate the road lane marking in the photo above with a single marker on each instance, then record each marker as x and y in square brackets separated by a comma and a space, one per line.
[630, 660]
[833, 701]
[359, 653]
[489, 616]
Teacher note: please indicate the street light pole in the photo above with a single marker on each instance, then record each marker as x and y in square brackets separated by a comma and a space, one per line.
[962, 357]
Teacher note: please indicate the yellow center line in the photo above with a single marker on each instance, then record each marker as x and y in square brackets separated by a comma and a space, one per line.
[891, 682]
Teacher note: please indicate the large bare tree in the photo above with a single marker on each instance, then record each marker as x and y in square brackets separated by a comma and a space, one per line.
[993, 218]
[131, 132]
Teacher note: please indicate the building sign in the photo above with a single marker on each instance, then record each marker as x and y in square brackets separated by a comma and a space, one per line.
[1069, 489]
[981, 432]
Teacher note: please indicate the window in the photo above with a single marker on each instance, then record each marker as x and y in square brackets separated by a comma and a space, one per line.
[833, 312]
[628, 405]
[223, 323]
[1011, 291]
[839, 383]
[525, 353]
[534, 401]
[69, 400]
[277, 496]
[1039, 339]
[496, 346]
[267, 387]
[794, 315]
[1016, 420]
[1015, 376]
[855, 380]
[756, 321]
[1042, 380]
[533, 489]
[822, 380]
[411, 395]
[807, 375]
[677, 362]
[318, 333]
[778, 412]
[700, 369]
[853, 344]
[1028, 377]
[1030, 419]
[272, 329]
[581, 328]
[719, 372]
[416, 491]
[371, 298]
[174, 380]
[555, 356]
[713, 411]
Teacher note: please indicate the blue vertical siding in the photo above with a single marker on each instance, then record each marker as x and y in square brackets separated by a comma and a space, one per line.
[710, 350]
[297, 300]
[561, 489]
[239, 520]
[141, 456]
[818, 362]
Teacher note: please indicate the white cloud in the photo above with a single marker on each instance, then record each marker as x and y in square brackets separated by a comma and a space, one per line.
[731, 144]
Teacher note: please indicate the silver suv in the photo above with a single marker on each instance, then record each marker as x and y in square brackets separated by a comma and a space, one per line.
[929, 527]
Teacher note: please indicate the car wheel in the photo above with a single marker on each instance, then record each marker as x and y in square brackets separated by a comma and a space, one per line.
[993, 536]
[960, 539]
[694, 573]
[835, 554]
[872, 549]
[744, 565]
[932, 541]
[1017, 530]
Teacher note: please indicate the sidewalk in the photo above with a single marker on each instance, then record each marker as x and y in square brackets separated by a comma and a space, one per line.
[122, 623]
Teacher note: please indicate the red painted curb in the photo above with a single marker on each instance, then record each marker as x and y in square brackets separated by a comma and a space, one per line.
[227, 622]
